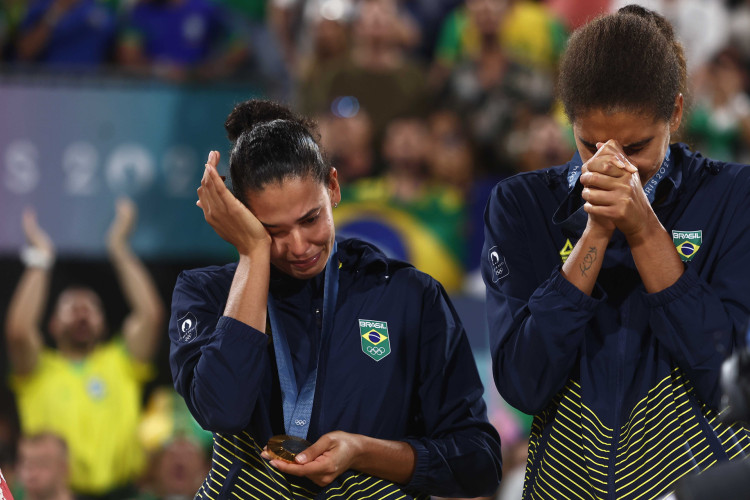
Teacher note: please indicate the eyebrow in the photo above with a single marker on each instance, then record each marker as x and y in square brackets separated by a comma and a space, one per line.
[307, 215]
[640, 143]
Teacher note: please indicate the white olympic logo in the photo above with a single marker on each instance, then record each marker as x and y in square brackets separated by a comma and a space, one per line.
[377, 351]
[300, 422]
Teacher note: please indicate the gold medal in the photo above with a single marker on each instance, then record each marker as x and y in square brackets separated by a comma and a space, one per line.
[285, 447]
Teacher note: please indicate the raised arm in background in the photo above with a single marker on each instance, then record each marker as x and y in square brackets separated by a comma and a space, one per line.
[145, 320]
[22, 325]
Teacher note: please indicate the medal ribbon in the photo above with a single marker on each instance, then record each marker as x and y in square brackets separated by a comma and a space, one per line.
[297, 405]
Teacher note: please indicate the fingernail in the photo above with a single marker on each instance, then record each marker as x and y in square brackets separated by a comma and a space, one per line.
[301, 459]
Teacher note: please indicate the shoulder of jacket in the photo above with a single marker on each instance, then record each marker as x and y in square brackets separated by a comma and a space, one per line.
[550, 177]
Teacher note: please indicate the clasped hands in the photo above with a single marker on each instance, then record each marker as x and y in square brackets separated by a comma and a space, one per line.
[613, 192]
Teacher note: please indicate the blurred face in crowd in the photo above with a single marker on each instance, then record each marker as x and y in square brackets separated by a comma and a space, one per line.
[348, 144]
[330, 38]
[297, 213]
[180, 469]
[487, 14]
[377, 22]
[644, 139]
[78, 322]
[546, 144]
[405, 144]
[450, 156]
[42, 466]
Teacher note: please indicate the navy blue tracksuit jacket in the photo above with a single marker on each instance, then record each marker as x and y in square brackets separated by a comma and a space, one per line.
[426, 392]
[624, 384]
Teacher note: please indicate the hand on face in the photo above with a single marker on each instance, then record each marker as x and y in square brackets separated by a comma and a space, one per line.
[231, 220]
[613, 192]
[325, 460]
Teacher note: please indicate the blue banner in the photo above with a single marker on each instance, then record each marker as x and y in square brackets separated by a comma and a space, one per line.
[70, 149]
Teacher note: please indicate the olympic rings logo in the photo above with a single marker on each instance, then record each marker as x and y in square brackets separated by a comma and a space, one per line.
[300, 422]
[376, 351]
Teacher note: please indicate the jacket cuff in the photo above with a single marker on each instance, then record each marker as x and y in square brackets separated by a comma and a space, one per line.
[420, 479]
[571, 294]
[688, 281]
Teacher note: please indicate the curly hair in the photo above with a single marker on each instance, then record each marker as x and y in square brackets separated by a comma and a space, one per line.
[629, 60]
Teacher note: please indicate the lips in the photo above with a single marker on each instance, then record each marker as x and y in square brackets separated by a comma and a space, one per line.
[307, 263]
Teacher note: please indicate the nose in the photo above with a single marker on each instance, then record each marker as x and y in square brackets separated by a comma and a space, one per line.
[298, 244]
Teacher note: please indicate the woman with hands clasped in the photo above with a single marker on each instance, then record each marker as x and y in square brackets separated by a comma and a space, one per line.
[618, 282]
[308, 337]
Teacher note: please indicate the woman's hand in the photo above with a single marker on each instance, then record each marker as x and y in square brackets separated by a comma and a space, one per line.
[231, 220]
[328, 458]
[613, 192]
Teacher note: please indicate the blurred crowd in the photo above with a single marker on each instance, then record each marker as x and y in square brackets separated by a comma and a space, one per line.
[422, 106]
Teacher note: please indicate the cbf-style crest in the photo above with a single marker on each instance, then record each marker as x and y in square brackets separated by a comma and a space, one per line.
[375, 340]
[687, 243]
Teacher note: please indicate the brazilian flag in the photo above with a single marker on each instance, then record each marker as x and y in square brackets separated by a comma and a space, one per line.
[428, 231]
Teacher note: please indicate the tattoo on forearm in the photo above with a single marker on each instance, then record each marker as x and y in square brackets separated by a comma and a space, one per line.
[588, 260]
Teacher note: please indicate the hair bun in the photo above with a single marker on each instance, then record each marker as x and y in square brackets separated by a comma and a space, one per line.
[659, 20]
[248, 114]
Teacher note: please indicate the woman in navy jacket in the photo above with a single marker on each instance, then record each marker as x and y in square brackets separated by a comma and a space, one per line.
[321, 339]
[617, 283]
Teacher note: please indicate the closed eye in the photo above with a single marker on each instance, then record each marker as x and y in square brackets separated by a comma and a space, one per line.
[632, 151]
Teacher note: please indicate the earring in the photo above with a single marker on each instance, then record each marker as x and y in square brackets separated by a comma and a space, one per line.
[335, 204]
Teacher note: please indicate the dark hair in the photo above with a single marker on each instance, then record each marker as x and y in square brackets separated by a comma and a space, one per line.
[271, 144]
[629, 60]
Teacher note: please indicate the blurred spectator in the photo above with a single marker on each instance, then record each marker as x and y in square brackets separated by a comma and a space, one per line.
[177, 445]
[348, 143]
[264, 56]
[739, 30]
[450, 156]
[88, 390]
[533, 35]
[12, 13]
[719, 122]
[329, 49]
[165, 417]
[526, 31]
[44, 468]
[544, 142]
[495, 95]
[405, 212]
[379, 78]
[576, 13]
[67, 33]
[176, 470]
[295, 23]
[428, 16]
[180, 40]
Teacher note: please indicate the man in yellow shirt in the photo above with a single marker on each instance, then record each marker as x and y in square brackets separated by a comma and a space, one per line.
[88, 390]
